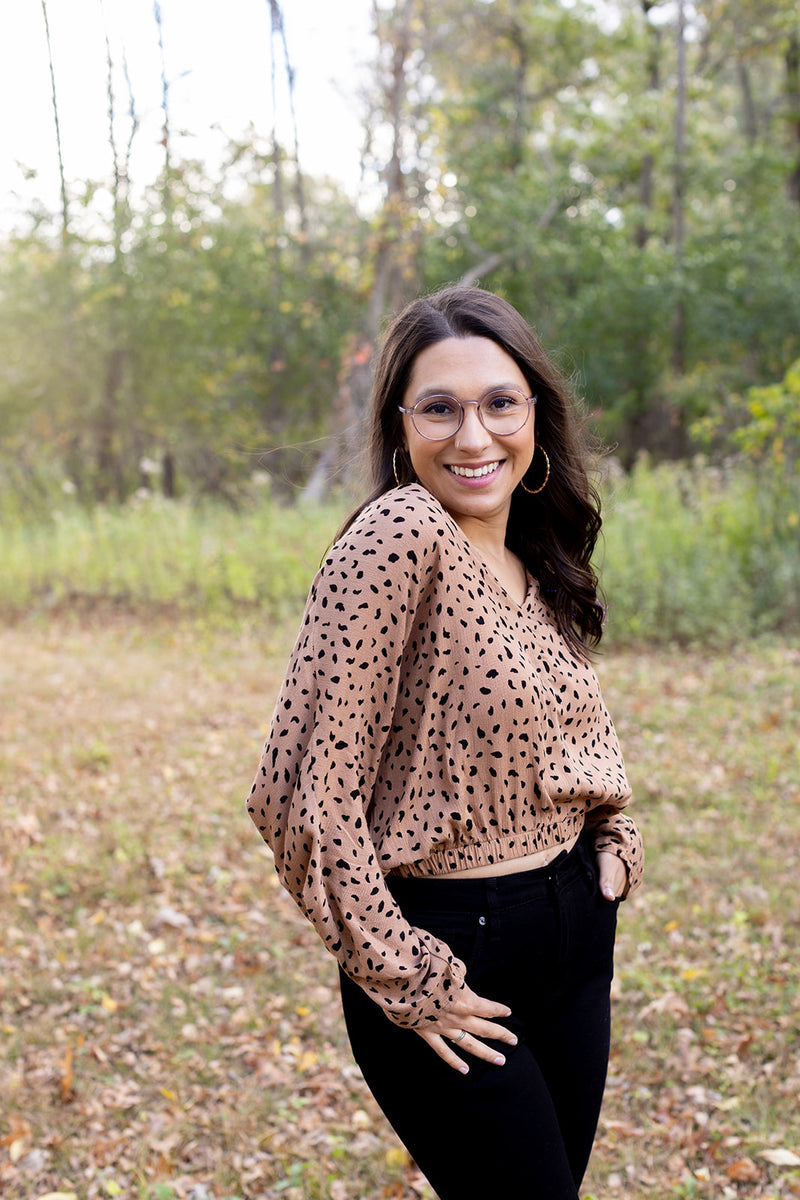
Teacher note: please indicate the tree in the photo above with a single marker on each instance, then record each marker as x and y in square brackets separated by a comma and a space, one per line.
[398, 121]
[607, 160]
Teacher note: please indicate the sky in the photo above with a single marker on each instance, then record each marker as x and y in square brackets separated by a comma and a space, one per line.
[217, 56]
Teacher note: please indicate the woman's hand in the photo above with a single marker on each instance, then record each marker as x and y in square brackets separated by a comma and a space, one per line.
[613, 875]
[470, 1015]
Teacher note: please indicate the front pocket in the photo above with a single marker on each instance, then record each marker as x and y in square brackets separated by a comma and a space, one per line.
[463, 933]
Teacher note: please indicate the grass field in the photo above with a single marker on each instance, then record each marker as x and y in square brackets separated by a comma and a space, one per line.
[690, 554]
[169, 1025]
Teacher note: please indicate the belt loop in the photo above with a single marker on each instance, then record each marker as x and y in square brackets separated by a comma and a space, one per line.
[493, 907]
[554, 874]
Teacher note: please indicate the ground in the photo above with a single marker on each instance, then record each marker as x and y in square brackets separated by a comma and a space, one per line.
[169, 1026]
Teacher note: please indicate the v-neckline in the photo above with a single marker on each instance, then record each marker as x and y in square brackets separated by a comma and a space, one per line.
[495, 580]
[485, 568]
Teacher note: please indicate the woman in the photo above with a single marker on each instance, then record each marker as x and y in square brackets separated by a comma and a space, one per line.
[441, 785]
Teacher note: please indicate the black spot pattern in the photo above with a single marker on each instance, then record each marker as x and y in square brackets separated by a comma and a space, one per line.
[426, 723]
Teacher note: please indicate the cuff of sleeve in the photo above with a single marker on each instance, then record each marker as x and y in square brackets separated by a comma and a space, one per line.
[609, 846]
[417, 1004]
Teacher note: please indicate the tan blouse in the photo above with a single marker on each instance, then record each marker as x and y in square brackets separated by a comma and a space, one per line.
[426, 723]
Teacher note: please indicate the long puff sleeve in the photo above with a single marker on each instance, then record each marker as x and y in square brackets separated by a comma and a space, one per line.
[312, 792]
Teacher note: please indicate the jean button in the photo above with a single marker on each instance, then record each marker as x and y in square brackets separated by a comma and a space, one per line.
[481, 920]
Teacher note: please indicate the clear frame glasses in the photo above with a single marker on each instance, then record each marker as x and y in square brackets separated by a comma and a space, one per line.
[502, 411]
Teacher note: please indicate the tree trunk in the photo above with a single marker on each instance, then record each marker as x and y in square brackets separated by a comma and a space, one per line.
[54, 97]
[792, 60]
[679, 199]
[647, 169]
[168, 475]
[166, 130]
[394, 274]
[110, 418]
[277, 165]
[749, 119]
[109, 474]
[279, 32]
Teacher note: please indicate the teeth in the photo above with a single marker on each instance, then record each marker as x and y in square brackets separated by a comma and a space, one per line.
[475, 473]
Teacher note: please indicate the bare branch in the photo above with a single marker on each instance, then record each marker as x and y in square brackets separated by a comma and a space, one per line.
[485, 267]
[64, 201]
[167, 194]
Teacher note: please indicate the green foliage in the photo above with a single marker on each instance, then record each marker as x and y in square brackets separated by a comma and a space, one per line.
[154, 554]
[694, 554]
[213, 335]
[559, 126]
[217, 321]
[772, 432]
[764, 426]
[700, 554]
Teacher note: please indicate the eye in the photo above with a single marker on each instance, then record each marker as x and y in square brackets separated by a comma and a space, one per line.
[437, 406]
[500, 402]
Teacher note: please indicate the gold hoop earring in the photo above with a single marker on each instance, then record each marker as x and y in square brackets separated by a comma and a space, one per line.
[394, 467]
[540, 488]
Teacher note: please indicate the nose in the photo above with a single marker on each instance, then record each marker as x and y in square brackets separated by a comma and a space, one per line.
[472, 436]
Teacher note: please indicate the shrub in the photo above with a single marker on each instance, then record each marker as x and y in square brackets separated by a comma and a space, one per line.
[698, 553]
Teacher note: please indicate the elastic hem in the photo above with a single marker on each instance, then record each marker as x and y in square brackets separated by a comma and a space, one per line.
[489, 853]
[458, 894]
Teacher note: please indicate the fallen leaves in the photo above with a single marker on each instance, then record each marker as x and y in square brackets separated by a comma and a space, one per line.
[780, 1158]
[18, 1139]
[66, 1081]
[743, 1170]
[169, 1028]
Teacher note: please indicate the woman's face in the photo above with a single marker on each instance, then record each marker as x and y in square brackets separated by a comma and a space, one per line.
[467, 368]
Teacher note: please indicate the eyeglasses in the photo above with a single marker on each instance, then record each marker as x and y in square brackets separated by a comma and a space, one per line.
[503, 411]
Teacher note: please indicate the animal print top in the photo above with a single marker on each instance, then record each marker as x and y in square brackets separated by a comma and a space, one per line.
[426, 722]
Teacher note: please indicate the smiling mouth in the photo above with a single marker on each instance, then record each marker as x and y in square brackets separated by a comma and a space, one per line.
[474, 472]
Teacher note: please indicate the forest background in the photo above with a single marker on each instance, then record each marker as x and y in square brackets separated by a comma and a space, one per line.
[184, 375]
[627, 174]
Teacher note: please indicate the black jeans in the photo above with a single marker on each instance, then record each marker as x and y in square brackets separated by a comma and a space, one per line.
[541, 942]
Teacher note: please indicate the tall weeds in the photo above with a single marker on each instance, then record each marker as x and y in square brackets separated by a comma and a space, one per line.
[690, 554]
[694, 553]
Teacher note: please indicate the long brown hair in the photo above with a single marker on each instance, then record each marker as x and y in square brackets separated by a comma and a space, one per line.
[554, 532]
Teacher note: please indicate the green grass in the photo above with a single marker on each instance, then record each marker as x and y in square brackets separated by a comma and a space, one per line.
[169, 556]
[169, 1023]
[690, 554]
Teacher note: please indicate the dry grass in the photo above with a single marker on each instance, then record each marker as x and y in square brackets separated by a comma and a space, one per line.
[169, 1026]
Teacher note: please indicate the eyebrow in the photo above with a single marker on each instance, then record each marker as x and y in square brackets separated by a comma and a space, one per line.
[495, 387]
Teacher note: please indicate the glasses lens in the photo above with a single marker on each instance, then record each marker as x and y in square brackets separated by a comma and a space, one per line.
[505, 411]
[437, 417]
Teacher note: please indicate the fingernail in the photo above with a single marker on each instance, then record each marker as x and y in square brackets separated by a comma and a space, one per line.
[464, 1070]
[498, 1062]
[513, 1041]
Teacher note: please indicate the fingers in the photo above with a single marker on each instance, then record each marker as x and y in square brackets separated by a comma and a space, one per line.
[612, 875]
[476, 1014]
[444, 1050]
[475, 1028]
[470, 1004]
[452, 1048]
[461, 1033]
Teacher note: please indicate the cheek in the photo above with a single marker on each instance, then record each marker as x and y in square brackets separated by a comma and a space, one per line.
[528, 448]
[417, 448]
[417, 456]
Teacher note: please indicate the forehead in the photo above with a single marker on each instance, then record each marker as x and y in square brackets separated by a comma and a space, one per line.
[466, 366]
